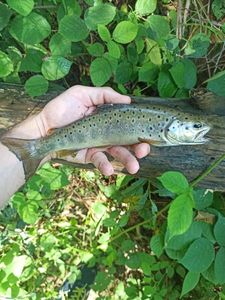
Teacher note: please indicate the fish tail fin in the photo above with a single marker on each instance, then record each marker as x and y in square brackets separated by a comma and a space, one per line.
[26, 151]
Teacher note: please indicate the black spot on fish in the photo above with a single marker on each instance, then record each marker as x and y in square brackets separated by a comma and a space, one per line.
[149, 119]
[142, 130]
[84, 126]
[161, 130]
[159, 116]
[151, 128]
[65, 135]
[167, 119]
[71, 132]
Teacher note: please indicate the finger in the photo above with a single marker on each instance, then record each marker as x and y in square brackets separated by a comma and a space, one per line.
[101, 162]
[141, 150]
[97, 96]
[125, 157]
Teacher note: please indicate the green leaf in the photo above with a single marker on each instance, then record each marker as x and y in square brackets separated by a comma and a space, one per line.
[184, 74]
[5, 15]
[190, 281]
[199, 256]
[25, 29]
[158, 27]
[145, 7]
[104, 33]
[29, 212]
[102, 280]
[32, 61]
[123, 72]
[96, 49]
[102, 14]
[181, 241]
[55, 67]
[114, 49]
[6, 65]
[56, 178]
[156, 244]
[175, 182]
[23, 7]
[148, 73]
[219, 231]
[73, 28]
[112, 61]
[219, 266]
[166, 85]
[202, 198]
[100, 71]
[125, 32]
[198, 45]
[216, 84]
[218, 8]
[180, 214]
[59, 45]
[153, 52]
[36, 85]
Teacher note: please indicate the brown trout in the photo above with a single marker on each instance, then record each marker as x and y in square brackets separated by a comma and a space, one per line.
[118, 124]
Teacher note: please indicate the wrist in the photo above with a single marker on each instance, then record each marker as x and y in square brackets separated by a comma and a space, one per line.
[33, 127]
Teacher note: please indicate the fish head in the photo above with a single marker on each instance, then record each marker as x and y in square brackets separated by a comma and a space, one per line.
[186, 132]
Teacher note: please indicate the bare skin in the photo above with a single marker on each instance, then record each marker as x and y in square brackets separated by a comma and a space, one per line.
[68, 107]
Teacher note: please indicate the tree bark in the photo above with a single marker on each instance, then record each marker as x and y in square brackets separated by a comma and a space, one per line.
[191, 160]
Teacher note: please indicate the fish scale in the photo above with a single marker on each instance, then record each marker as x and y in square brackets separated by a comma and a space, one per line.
[119, 124]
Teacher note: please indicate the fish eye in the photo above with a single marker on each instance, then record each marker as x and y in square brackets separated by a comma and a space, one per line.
[197, 125]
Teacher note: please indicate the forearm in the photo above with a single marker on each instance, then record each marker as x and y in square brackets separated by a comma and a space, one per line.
[12, 175]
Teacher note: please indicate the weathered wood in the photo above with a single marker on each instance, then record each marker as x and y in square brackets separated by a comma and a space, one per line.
[191, 160]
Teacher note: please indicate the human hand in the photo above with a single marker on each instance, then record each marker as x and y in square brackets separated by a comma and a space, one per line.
[80, 101]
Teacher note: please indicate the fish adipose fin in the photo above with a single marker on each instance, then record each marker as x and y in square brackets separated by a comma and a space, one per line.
[25, 151]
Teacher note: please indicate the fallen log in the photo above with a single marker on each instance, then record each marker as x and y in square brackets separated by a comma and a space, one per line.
[15, 106]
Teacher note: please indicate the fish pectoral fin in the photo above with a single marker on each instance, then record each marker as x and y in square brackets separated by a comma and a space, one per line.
[150, 142]
[50, 131]
[64, 153]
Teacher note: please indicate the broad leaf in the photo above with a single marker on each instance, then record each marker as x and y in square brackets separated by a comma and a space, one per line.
[198, 45]
[5, 15]
[219, 231]
[175, 182]
[101, 14]
[156, 244]
[158, 27]
[125, 32]
[220, 266]
[55, 67]
[100, 71]
[180, 215]
[148, 73]
[123, 72]
[59, 45]
[30, 30]
[23, 7]
[96, 49]
[199, 256]
[190, 282]
[36, 85]
[73, 28]
[145, 7]
[216, 84]
[166, 84]
[104, 33]
[184, 74]
[6, 65]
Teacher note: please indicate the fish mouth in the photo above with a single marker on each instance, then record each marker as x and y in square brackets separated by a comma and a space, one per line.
[200, 136]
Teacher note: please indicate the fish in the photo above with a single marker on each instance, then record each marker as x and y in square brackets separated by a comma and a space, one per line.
[114, 124]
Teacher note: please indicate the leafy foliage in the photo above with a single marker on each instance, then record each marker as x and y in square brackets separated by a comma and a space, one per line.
[63, 219]
[140, 40]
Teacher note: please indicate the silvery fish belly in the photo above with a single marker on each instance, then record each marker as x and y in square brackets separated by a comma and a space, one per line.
[115, 125]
